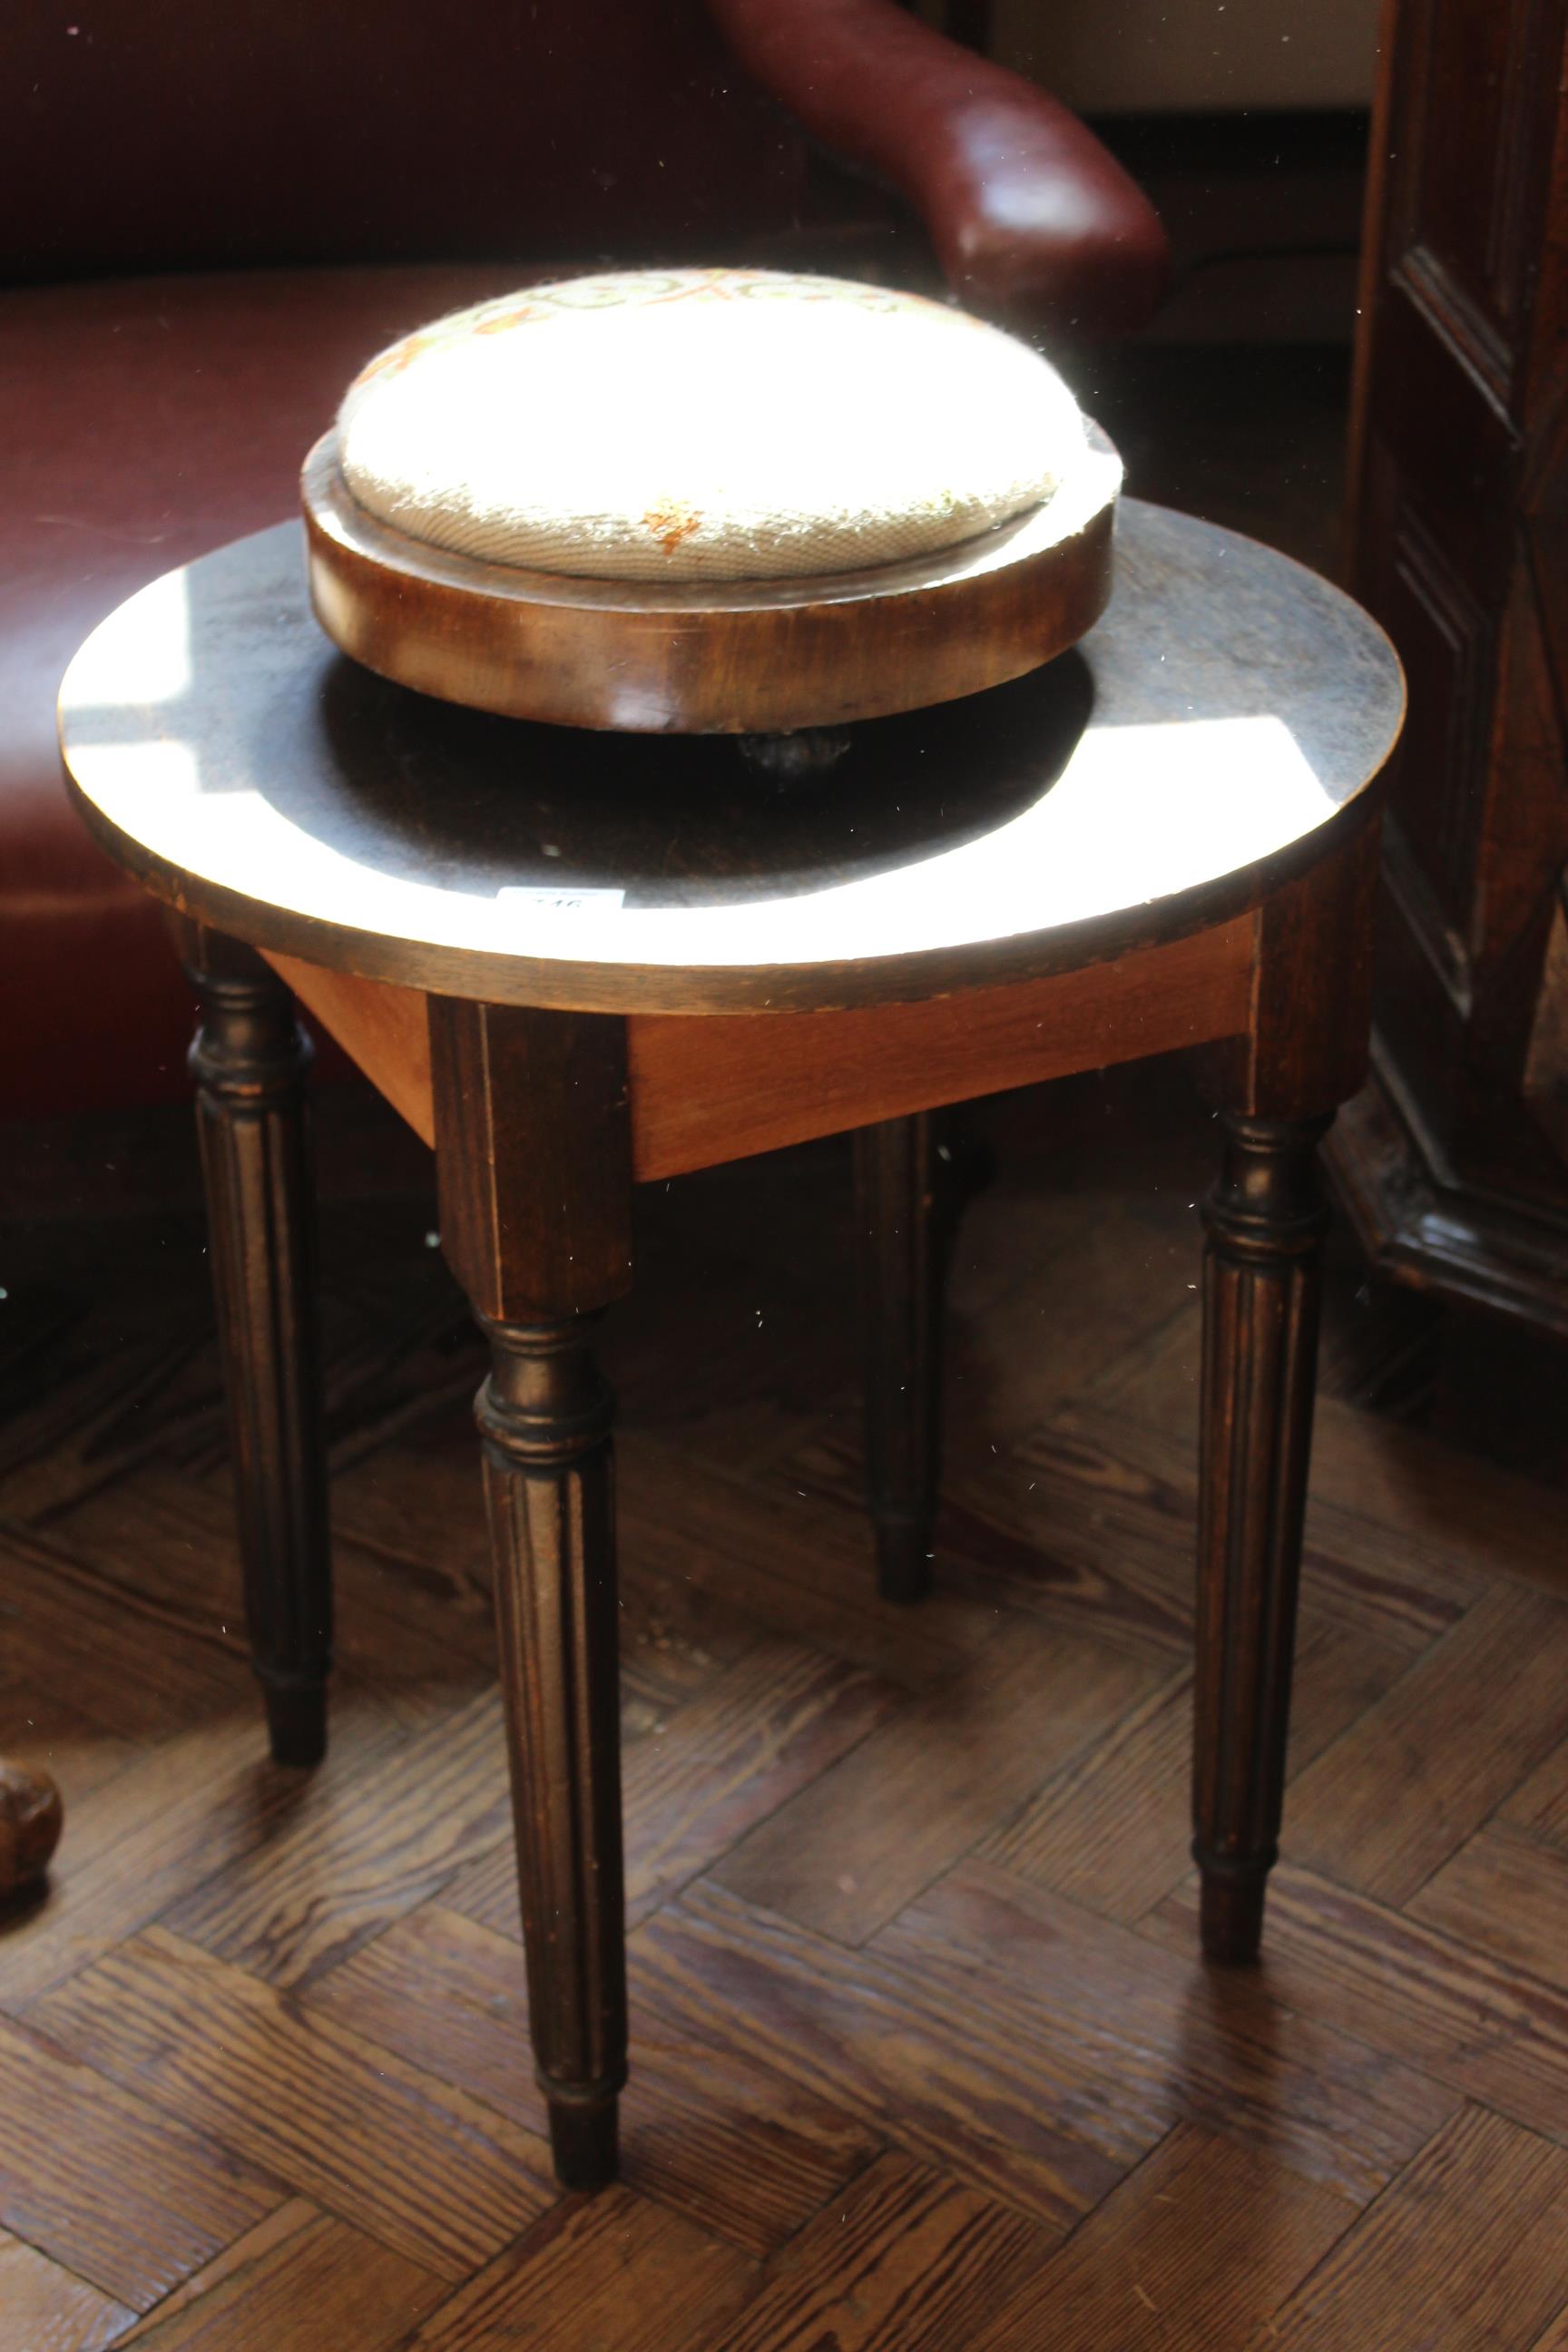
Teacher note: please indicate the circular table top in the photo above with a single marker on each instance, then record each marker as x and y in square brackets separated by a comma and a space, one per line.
[1211, 736]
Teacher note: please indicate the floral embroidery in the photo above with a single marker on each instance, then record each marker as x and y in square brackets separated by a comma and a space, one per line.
[672, 522]
[623, 289]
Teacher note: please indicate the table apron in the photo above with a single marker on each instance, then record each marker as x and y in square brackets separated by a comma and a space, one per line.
[707, 1088]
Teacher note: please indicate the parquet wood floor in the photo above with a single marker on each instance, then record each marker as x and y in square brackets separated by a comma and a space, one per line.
[923, 2059]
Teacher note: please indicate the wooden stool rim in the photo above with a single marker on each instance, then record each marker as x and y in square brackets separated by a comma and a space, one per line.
[752, 657]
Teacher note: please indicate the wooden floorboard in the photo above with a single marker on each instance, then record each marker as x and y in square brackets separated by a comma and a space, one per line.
[1165, 2041]
[1198, 2246]
[1002, 2108]
[1450, 2009]
[610, 2269]
[902, 2261]
[924, 2059]
[943, 1769]
[303, 2100]
[130, 2196]
[1482, 2185]
[318, 2289]
[44, 2308]
[1446, 1746]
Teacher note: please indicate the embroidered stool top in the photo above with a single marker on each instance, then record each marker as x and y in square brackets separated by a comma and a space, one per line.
[708, 499]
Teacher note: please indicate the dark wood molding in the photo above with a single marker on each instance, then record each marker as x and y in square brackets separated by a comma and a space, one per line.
[1454, 1170]
[1418, 1226]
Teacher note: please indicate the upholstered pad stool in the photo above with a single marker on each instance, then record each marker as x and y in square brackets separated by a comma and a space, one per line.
[709, 500]
[575, 969]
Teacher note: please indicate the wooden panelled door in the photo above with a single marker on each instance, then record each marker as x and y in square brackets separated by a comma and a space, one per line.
[1455, 1160]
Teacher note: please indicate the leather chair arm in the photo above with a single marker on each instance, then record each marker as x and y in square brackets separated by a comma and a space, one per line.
[1032, 219]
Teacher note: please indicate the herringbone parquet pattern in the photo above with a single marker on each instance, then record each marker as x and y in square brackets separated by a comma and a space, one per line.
[923, 2059]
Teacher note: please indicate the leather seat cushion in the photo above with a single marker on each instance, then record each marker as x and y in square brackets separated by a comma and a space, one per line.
[141, 422]
[705, 424]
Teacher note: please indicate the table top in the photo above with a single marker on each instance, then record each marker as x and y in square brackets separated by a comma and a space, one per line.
[1211, 736]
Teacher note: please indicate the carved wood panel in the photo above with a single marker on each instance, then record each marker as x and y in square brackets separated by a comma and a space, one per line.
[1458, 542]
[1472, 118]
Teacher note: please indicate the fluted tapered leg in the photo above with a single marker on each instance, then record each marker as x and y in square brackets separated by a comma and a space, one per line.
[1266, 1221]
[900, 1280]
[545, 1414]
[534, 1161]
[250, 1061]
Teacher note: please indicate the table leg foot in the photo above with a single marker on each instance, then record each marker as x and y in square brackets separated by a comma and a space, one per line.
[1230, 1913]
[903, 1557]
[296, 1720]
[583, 2143]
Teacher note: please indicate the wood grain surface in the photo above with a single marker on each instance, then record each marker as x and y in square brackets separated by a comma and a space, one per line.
[1440, 1786]
[710, 657]
[1211, 736]
[719, 1088]
[1197, 2247]
[319, 2286]
[44, 2309]
[1512, 2190]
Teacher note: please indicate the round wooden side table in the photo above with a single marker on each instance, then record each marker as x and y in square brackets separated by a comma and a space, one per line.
[578, 961]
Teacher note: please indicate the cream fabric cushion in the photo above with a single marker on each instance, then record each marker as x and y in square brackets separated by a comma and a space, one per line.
[698, 425]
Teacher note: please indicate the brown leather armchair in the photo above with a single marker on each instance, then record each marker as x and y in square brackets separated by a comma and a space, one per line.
[210, 216]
